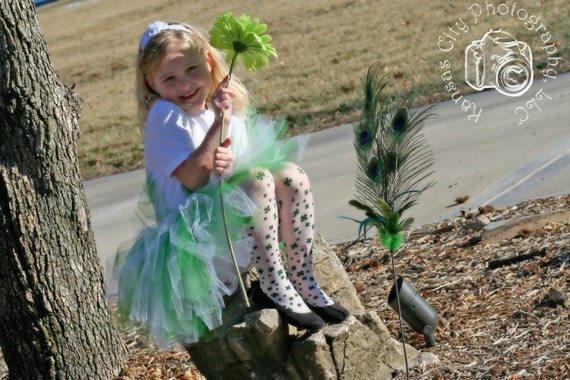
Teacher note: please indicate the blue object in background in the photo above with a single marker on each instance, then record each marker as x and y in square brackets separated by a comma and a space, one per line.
[41, 2]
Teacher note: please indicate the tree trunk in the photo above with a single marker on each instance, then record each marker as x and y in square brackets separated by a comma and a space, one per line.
[54, 323]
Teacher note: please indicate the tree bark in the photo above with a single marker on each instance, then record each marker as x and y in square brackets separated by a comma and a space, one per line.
[54, 322]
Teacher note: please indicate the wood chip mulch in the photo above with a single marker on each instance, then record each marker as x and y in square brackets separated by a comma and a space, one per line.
[501, 293]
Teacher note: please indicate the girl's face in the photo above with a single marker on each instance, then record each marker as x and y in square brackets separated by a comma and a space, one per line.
[183, 77]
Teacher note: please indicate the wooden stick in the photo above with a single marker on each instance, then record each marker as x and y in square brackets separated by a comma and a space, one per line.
[494, 264]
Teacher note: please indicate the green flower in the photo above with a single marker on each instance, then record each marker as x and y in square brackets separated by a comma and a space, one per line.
[242, 37]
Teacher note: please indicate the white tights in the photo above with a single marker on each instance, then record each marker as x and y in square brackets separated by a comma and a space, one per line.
[286, 213]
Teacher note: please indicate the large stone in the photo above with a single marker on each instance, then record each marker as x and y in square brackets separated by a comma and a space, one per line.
[257, 344]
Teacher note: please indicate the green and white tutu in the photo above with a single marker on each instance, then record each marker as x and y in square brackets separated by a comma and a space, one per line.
[175, 274]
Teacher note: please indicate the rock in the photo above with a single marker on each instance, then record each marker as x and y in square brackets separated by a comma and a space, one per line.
[553, 298]
[257, 344]
[359, 348]
[479, 222]
[332, 277]
[510, 228]
[423, 360]
[483, 219]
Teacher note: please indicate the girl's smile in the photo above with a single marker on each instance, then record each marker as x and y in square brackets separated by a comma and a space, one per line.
[191, 95]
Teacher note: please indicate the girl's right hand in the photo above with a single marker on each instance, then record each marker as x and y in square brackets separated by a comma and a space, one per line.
[222, 100]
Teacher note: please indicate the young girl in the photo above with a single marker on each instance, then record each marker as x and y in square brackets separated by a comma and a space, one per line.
[178, 270]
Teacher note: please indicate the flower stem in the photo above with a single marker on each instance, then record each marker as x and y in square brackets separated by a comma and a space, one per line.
[232, 64]
[230, 245]
[401, 324]
[224, 217]
[222, 130]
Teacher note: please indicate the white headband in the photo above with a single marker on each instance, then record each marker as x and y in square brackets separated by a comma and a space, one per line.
[157, 27]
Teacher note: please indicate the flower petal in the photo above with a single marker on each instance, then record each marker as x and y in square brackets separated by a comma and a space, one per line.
[242, 36]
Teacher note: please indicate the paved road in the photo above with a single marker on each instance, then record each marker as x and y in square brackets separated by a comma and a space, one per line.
[494, 161]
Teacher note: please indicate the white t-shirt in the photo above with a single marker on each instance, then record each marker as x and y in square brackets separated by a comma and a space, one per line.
[171, 135]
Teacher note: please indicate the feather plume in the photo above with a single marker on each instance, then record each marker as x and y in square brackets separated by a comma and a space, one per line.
[393, 157]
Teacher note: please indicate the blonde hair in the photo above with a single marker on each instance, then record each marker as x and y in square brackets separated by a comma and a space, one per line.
[150, 57]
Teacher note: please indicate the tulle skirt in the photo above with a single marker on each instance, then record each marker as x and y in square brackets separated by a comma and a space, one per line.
[173, 277]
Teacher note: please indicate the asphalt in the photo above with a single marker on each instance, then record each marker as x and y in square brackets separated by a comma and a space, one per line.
[495, 161]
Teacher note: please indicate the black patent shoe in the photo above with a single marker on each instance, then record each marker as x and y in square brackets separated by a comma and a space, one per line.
[259, 298]
[303, 321]
[331, 313]
[309, 321]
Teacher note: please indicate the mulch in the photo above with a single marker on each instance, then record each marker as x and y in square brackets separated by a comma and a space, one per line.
[501, 293]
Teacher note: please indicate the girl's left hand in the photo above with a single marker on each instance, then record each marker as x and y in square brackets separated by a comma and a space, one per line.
[223, 159]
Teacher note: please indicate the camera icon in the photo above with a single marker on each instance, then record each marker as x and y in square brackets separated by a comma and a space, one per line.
[499, 61]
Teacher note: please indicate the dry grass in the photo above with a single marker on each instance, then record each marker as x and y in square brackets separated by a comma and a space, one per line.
[324, 46]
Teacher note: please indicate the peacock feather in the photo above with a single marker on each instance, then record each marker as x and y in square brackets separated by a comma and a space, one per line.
[393, 158]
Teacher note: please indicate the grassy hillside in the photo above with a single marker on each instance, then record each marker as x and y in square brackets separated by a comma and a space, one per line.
[324, 47]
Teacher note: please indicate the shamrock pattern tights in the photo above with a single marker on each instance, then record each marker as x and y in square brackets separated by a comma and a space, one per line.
[286, 214]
